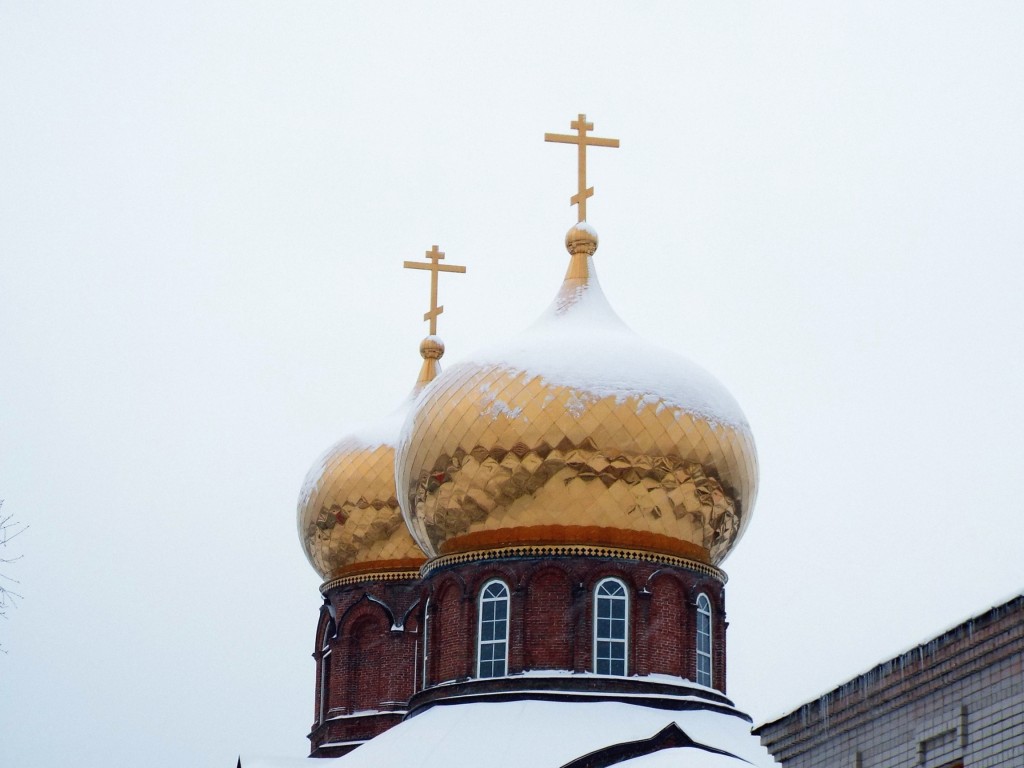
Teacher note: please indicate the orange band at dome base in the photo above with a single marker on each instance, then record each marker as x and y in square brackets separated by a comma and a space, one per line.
[590, 535]
[572, 541]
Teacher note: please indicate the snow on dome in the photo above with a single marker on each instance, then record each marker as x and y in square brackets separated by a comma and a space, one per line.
[581, 342]
[385, 431]
[349, 519]
[577, 432]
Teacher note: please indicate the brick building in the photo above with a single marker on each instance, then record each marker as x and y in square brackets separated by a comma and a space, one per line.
[956, 701]
[521, 565]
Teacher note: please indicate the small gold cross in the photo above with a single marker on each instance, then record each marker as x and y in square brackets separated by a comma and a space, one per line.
[582, 141]
[434, 266]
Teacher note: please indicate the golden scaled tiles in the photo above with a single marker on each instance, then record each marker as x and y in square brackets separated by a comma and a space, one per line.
[502, 450]
[351, 516]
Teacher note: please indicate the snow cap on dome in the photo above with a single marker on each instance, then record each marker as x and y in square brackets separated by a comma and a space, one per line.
[349, 519]
[578, 433]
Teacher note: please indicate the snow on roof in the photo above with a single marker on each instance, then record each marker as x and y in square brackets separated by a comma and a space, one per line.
[273, 762]
[670, 758]
[916, 654]
[548, 734]
[580, 342]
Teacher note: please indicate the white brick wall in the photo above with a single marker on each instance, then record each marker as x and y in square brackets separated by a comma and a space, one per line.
[958, 698]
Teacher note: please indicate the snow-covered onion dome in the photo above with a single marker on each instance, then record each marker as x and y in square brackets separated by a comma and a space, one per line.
[577, 436]
[350, 524]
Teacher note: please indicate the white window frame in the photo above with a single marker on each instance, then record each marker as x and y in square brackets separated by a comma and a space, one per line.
[325, 663]
[480, 642]
[704, 642]
[624, 640]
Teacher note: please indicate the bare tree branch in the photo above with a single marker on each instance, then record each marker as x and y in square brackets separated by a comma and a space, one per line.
[9, 530]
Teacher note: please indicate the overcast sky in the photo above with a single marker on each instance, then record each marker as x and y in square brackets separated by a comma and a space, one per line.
[204, 209]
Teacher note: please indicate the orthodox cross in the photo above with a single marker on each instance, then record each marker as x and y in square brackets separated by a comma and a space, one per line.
[582, 141]
[434, 266]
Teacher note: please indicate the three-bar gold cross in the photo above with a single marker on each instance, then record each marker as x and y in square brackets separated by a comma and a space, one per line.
[582, 141]
[435, 266]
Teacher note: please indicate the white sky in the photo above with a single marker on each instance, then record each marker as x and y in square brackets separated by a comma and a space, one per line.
[204, 208]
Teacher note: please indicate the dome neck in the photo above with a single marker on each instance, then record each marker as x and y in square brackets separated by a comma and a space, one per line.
[580, 279]
[428, 372]
[580, 300]
[581, 268]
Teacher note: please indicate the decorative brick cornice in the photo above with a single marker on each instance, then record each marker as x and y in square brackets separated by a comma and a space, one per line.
[570, 550]
[361, 578]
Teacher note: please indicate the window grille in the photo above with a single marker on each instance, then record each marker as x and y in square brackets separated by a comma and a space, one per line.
[492, 648]
[610, 624]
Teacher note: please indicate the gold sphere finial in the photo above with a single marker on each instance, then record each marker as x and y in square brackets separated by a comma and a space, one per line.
[432, 348]
[581, 239]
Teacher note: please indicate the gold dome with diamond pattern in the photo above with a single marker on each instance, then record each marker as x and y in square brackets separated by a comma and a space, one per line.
[350, 523]
[349, 519]
[577, 436]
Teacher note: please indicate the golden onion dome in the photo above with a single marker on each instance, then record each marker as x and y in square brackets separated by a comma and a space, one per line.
[577, 436]
[349, 519]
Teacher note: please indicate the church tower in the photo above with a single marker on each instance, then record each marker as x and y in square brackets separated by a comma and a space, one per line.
[566, 499]
[352, 531]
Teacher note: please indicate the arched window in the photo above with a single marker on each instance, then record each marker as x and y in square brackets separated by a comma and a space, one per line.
[610, 624]
[703, 640]
[492, 648]
[325, 671]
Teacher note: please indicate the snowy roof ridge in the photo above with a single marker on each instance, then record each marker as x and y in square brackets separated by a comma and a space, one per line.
[883, 669]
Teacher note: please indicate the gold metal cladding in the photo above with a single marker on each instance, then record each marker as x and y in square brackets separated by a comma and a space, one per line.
[349, 519]
[507, 553]
[582, 141]
[349, 513]
[493, 449]
[434, 257]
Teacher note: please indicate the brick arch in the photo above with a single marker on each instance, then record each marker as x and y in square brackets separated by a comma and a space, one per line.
[613, 570]
[410, 616]
[549, 631]
[372, 664]
[449, 580]
[359, 606]
[438, 600]
[323, 688]
[366, 646]
[321, 626]
[714, 592]
[449, 629]
[669, 626]
[499, 570]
